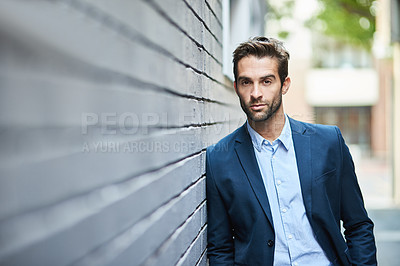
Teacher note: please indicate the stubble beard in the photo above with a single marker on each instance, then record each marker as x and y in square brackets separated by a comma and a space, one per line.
[258, 116]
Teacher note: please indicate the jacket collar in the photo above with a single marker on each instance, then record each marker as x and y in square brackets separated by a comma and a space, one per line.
[245, 152]
[302, 146]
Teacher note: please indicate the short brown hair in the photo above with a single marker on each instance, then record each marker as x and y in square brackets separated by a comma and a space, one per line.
[263, 47]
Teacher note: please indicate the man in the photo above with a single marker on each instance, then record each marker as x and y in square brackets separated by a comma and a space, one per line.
[278, 188]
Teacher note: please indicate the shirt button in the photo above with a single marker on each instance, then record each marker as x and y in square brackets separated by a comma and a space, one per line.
[295, 264]
[270, 243]
[279, 182]
[290, 236]
[284, 210]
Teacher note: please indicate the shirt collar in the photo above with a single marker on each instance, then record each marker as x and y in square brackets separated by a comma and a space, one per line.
[285, 137]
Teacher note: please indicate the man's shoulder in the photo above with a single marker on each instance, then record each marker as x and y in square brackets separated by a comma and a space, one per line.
[313, 129]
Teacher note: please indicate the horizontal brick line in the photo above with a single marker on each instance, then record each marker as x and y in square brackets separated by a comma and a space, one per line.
[85, 70]
[204, 253]
[180, 228]
[161, 127]
[100, 126]
[202, 22]
[201, 231]
[131, 80]
[189, 125]
[133, 35]
[182, 192]
[152, 130]
[198, 208]
[213, 12]
[83, 194]
[172, 22]
[128, 80]
[165, 165]
[159, 209]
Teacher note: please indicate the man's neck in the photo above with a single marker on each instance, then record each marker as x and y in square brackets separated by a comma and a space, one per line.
[269, 129]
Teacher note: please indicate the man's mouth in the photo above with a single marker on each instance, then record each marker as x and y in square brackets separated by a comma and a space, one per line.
[256, 107]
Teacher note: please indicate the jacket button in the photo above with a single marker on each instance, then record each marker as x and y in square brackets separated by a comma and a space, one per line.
[270, 243]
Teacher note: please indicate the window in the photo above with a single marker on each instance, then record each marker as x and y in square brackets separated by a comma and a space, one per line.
[242, 19]
[354, 122]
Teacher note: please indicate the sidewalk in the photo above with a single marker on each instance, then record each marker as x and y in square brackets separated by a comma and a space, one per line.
[375, 181]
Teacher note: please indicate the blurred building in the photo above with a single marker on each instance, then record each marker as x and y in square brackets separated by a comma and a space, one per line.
[335, 83]
[243, 19]
[106, 110]
[387, 53]
[342, 87]
[390, 31]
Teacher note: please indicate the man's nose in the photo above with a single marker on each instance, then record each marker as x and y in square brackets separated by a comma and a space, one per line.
[256, 92]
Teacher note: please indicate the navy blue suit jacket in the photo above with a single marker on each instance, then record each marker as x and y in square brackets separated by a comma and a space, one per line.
[240, 227]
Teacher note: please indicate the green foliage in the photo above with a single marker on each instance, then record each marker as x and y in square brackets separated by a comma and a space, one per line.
[279, 11]
[350, 21]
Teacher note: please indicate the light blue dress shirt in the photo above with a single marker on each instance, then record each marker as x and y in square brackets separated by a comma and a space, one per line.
[295, 243]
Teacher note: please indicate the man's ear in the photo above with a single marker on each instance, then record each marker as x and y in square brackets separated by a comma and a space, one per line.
[286, 85]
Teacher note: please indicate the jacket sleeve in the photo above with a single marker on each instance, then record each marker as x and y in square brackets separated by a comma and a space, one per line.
[358, 227]
[219, 232]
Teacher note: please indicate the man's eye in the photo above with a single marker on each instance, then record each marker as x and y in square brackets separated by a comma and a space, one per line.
[267, 81]
[245, 82]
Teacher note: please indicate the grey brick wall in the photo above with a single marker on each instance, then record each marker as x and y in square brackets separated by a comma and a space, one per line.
[106, 109]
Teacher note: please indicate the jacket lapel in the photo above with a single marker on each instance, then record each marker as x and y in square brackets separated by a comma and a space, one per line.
[302, 147]
[245, 152]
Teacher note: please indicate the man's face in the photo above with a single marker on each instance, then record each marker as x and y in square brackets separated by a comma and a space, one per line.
[259, 87]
